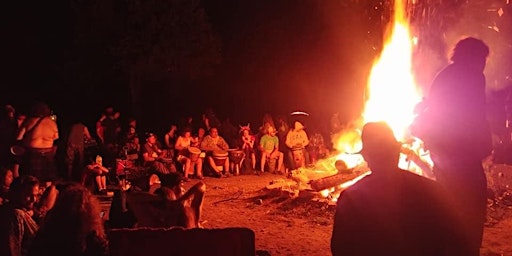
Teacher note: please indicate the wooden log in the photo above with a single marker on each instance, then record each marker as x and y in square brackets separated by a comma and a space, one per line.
[332, 181]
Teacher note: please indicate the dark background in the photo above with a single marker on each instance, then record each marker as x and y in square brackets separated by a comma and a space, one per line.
[241, 58]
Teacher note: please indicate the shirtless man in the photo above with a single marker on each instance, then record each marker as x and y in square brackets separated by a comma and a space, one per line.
[37, 135]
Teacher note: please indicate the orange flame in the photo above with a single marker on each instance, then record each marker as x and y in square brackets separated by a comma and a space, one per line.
[392, 92]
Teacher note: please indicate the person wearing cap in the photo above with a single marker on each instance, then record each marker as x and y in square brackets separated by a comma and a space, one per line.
[393, 211]
[151, 153]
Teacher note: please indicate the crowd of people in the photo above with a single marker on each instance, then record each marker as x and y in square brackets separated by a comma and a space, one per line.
[389, 212]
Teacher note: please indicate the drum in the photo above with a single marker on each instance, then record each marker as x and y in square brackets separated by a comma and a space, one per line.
[219, 157]
[193, 153]
[236, 156]
[298, 157]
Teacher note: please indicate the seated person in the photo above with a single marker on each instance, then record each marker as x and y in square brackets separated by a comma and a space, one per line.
[169, 205]
[247, 144]
[269, 146]
[296, 141]
[182, 146]
[20, 217]
[99, 172]
[212, 143]
[153, 156]
[6, 177]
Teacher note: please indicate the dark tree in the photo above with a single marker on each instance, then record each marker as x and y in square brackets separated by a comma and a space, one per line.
[165, 44]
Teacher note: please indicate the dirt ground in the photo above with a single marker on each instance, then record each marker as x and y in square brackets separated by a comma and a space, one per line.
[285, 226]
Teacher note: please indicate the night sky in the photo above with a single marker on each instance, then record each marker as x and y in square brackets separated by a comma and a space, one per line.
[274, 57]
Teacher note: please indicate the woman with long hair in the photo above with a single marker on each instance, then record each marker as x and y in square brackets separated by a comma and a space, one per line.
[74, 226]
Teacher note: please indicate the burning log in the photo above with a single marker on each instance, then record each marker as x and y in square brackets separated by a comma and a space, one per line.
[332, 181]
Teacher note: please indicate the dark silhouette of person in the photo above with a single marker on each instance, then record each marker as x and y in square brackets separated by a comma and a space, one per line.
[455, 130]
[393, 211]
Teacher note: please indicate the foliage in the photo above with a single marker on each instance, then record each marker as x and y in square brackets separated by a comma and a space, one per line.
[172, 35]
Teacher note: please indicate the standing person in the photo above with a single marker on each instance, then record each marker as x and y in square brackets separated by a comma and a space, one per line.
[454, 128]
[170, 140]
[393, 211]
[75, 147]
[37, 135]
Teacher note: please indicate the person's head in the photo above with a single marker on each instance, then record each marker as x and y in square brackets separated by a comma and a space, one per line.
[471, 52]
[24, 192]
[10, 112]
[6, 176]
[245, 130]
[40, 109]
[21, 118]
[76, 210]
[173, 181]
[214, 132]
[201, 132]
[186, 132]
[109, 111]
[380, 148]
[132, 122]
[270, 130]
[150, 138]
[131, 130]
[297, 126]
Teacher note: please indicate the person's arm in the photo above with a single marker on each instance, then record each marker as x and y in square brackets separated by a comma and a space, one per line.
[147, 157]
[276, 144]
[87, 134]
[99, 131]
[223, 144]
[288, 141]
[262, 144]
[251, 142]
[167, 141]
[305, 140]
[179, 144]
[206, 144]
[55, 131]
[21, 133]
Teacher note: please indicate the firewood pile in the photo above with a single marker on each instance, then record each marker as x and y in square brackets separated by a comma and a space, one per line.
[323, 182]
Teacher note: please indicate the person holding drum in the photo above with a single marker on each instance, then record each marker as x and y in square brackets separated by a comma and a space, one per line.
[216, 152]
[153, 156]
[188, 155]
[297, 140]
